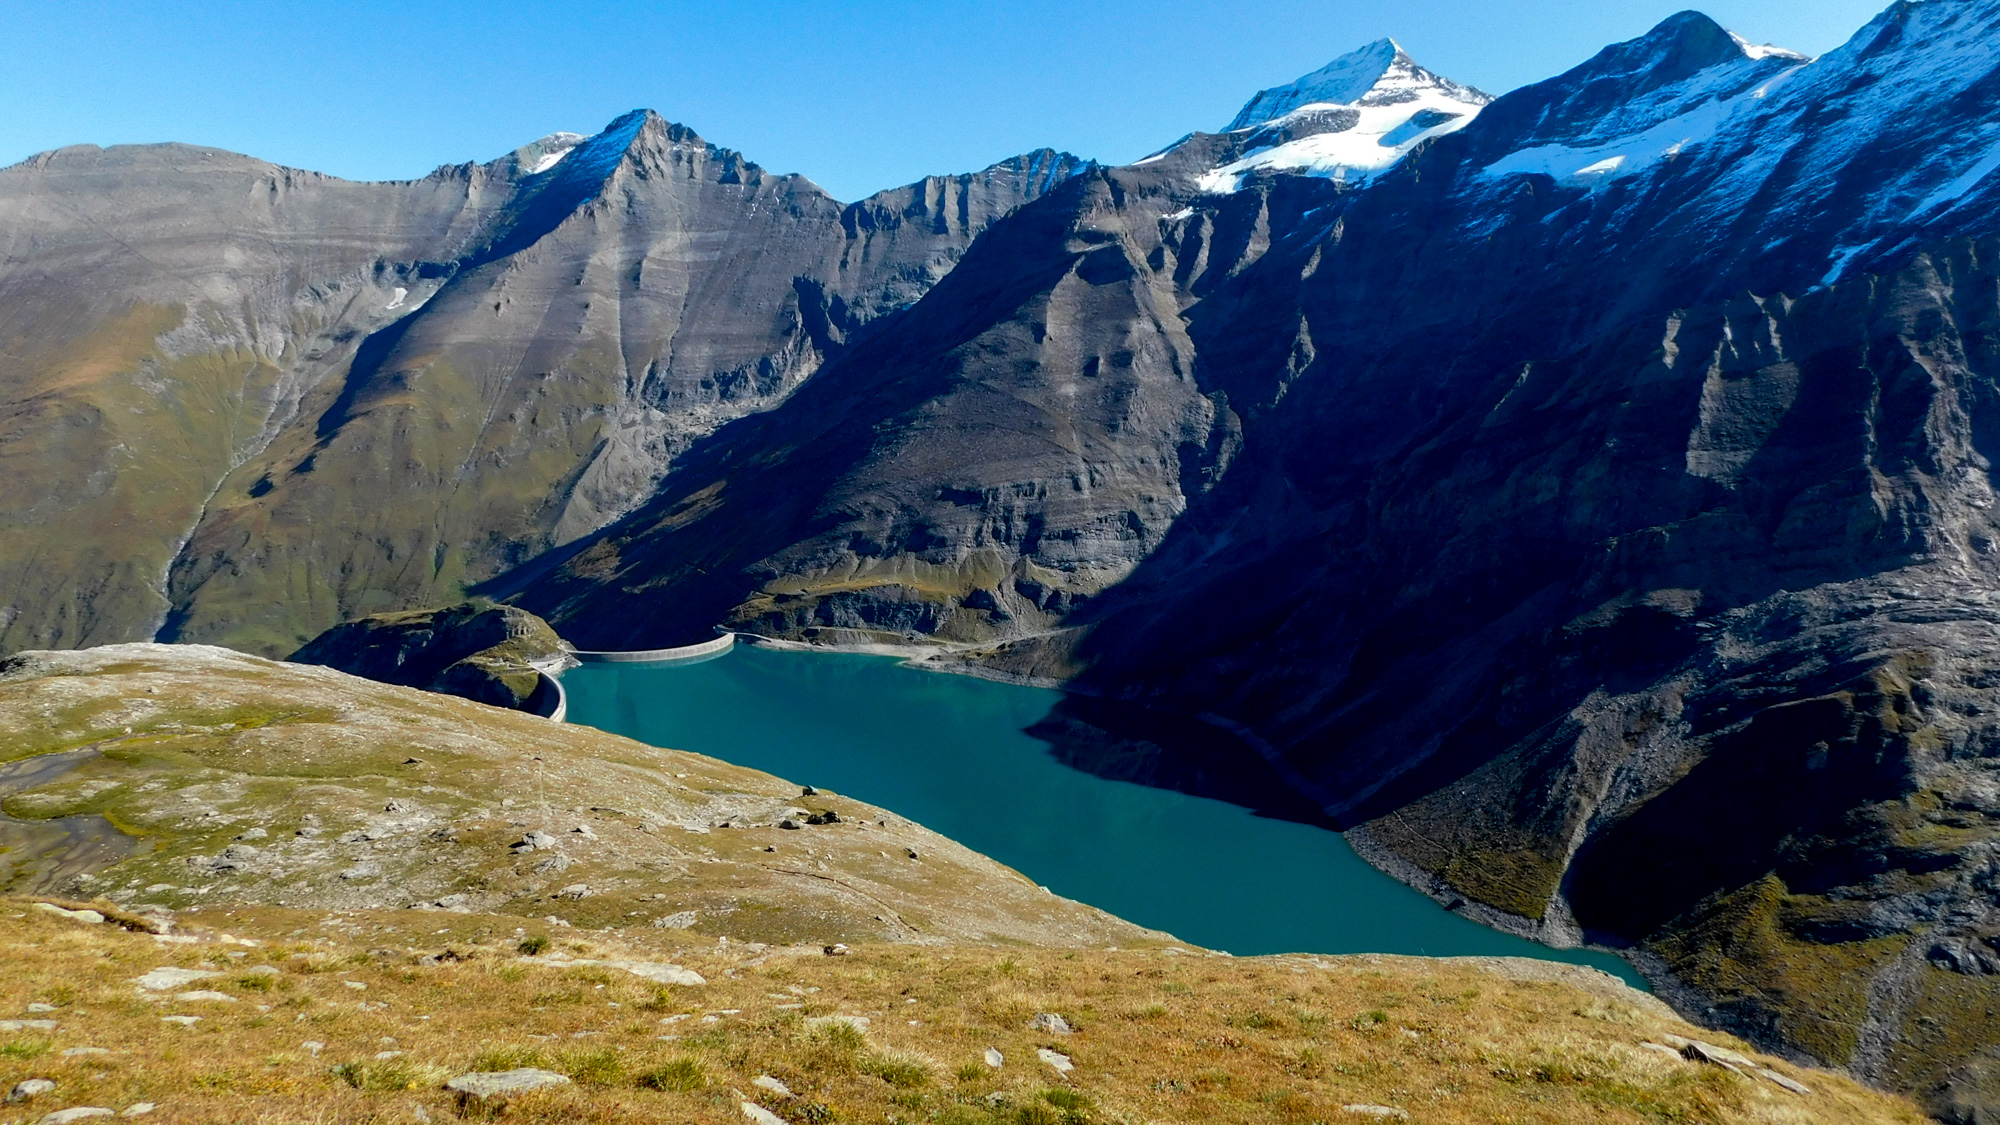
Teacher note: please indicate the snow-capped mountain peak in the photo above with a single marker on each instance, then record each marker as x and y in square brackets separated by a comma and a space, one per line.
[1766, 50]
[1381, 73]
[1349, 120]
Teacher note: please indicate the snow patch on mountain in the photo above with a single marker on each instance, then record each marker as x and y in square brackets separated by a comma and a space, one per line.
[1886, 142]
[1661, 125]
[1349, 120]
[1956, 191]
[548, 152]
[1379, 137]
[1766, 50]
[1639, 151]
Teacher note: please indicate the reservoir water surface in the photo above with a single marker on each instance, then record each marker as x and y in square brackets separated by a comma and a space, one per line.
[953, 754]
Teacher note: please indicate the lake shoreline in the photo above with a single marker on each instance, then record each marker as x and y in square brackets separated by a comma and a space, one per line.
[1362, 842]
[1168, 856]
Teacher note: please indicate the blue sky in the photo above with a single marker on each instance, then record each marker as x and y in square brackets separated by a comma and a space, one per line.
[859, 96]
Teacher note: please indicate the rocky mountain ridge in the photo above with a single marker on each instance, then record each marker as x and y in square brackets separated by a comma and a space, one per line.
[264, 401]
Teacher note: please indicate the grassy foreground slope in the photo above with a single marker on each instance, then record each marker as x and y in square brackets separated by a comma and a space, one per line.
[254, 781]
[1161, 1035]
[340, 856]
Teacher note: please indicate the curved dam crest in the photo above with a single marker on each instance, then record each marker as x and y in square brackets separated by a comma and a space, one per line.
[988, 764]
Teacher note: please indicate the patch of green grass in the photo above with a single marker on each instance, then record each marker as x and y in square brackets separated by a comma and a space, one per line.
[1056, 1107]
[683, 1075]
[534, 946]
[591, 1066]
[902, 1069]
[30, 1048]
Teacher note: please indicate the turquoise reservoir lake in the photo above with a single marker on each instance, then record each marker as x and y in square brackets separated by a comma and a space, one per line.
[953, 753]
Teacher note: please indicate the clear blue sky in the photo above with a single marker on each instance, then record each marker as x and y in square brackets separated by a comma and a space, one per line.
[859, 96]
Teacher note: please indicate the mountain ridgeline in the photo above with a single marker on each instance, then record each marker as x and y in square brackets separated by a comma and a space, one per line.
[1586, 494]
[243, 402]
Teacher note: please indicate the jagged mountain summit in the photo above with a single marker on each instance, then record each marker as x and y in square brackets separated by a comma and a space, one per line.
[1357, 116]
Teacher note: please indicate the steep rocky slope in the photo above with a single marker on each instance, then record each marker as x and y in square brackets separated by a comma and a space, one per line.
[246, 402]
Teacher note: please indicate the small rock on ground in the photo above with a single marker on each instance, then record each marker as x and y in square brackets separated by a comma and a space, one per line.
[1718, 1056]
[1781, 1081]
[766, 1082]
[1055, 1059]
[994, 1058]
[65, 1116]
[1052, 1023]
[1386, 1112]
[498, 1086]
[535, 841]
[29, 1089]
[166, 977]
[90, 917]
[760, 1115]
[655, 971]
[27, 1025]
[208, 994]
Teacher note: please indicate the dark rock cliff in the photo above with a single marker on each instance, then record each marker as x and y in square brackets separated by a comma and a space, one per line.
[478, 650]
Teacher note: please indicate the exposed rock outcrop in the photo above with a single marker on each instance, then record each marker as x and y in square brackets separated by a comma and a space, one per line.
[478, 650]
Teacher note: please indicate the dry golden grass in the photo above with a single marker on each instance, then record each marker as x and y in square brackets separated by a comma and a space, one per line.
[1162, 1035]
